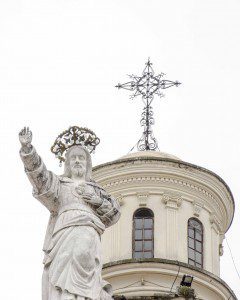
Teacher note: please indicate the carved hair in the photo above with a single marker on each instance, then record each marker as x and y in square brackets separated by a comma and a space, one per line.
[67, 171]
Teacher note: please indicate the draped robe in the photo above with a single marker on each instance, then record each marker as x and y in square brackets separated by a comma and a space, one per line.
[72, 260]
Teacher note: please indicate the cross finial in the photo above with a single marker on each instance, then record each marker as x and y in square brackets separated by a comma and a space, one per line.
[148, 63]
[148, 85]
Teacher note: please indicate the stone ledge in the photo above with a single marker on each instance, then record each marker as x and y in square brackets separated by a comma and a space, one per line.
[170, 262]
[156, 297]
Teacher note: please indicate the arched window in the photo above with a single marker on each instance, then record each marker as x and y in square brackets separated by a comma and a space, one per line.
[143, 233]
[195, 243]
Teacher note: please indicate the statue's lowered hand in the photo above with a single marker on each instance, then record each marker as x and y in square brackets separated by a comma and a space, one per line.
[25, 138]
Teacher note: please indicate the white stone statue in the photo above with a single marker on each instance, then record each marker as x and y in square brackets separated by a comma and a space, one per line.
[80, 212]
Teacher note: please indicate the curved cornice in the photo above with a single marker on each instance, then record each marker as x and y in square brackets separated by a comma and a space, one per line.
[176, 163]
[169, 262]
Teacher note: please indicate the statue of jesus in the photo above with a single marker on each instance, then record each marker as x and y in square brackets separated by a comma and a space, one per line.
[80, 210]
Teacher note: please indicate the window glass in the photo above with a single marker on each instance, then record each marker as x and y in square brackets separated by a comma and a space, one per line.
[143, 233]
[191, 262]
[138, 255]
[147, 254]
[195, 243]
[148, 245]
[138, 234]
[198, 236]
[138, 246]
[147, 234]
[198, 265]
[198, 246]
[198, 257]
[148, 223]
[191, 243]
[191, 254]
[138, 223]
[191, 233]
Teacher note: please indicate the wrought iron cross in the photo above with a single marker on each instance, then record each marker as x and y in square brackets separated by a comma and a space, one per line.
[147, 86]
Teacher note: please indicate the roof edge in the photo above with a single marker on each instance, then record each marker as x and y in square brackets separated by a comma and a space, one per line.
[171, 262]
[177, 162]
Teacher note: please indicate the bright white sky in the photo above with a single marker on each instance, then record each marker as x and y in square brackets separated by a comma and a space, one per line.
[59, 63]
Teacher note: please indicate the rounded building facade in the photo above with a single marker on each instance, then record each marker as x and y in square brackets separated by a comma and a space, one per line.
[173, 222]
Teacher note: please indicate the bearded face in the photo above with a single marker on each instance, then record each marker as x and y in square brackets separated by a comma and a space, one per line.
[78, 162]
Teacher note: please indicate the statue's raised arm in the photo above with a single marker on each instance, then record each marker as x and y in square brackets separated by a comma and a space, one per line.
[45, 183]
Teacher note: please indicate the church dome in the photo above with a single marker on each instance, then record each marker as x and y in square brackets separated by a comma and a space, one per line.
[150, 154]
[174, 216]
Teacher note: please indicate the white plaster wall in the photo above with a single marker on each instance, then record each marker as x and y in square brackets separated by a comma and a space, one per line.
[170, 231]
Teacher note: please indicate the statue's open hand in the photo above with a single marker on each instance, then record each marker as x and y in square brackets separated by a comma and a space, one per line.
[25, 136]
[92, 199]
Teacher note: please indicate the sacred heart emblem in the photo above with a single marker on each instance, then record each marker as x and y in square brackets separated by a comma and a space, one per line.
[80, 189]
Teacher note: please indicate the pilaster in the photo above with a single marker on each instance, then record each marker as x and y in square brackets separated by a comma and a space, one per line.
[172, 203]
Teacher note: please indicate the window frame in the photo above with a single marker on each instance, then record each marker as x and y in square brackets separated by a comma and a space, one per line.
[149, 215]
[195, 241]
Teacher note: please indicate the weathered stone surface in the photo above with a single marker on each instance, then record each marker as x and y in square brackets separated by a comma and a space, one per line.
[80, 210]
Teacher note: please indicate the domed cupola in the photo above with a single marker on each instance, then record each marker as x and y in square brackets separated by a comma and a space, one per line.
[174, 217]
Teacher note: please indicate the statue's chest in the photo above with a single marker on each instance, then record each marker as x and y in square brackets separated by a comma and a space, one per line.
[72, 193]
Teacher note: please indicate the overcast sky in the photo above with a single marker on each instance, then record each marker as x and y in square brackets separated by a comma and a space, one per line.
[59, 63]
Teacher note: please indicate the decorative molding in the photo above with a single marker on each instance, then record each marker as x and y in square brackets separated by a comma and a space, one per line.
[221, 237]
[197, 208]
[142, 198]
[170, 180]
[163, 266]
[172, 200]
[221, 250]
[215, 222]
[164, 179]
[213, 185]
[120, 199]
[214, 205]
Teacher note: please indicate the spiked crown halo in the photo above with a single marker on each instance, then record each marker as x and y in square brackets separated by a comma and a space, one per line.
[74, 136]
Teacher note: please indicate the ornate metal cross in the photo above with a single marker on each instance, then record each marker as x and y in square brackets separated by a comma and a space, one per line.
[147, 86]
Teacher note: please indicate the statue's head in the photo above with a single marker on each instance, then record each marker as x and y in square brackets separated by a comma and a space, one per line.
[78, 163]
[73, 146]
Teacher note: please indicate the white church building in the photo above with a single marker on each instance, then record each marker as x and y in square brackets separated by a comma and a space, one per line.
[174, 218]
